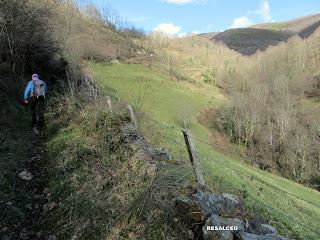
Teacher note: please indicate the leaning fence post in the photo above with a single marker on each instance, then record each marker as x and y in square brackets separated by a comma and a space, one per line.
[194, 158]
[132, 117]
[109, 103]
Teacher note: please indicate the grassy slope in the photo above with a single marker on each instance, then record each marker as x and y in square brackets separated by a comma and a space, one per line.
[163, 100]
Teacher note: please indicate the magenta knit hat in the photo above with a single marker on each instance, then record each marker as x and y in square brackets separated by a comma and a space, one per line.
[35, 76]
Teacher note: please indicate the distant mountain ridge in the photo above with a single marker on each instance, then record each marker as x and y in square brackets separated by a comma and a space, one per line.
[259, 37]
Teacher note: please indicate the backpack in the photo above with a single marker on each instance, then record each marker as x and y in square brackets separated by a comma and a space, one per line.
[39, 88]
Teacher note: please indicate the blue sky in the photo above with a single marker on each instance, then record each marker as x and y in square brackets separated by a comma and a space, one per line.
[178, 17]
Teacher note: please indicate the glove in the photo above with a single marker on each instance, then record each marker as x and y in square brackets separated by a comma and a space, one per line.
[26, 101]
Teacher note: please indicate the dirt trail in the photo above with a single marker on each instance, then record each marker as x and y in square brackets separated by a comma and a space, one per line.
[29, 195]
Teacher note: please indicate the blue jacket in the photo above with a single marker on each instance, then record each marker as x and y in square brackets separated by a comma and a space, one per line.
[29, 89]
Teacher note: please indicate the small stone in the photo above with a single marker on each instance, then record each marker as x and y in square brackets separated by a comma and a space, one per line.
[268, 229]
[37, 196]
[28, 206]
[35, 158]
[187, 209]
[152, 169]
[35, 131]
[46, 190]
[250, 236]
[25, 175]
[225, 204]
[49, 206]
[191, 234]
[52, 237]
[74, 237]
[231, 197]
[277, 237]
[132, 236]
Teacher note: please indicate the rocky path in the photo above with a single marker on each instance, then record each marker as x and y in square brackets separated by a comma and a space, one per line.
[28, 203]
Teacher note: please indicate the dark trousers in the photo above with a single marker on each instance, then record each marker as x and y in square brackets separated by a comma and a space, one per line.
[37, 111]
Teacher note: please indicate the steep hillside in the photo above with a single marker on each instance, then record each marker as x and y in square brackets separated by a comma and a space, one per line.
[166, 103]
[248, 40]
[295, 25]
[259, 37]
[209, 35]
[263, 77]
[87, 35]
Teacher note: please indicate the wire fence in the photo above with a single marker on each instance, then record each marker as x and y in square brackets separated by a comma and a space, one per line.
[174, 142]
[179, 143]
[229, 166]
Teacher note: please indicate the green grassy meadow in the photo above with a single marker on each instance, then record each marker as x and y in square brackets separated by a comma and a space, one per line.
[168, 101]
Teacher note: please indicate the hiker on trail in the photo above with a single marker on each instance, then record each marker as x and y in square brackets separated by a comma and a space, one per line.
[34, 95]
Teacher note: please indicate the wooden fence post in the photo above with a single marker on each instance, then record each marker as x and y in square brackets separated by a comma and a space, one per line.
[132, 117]
[194, 158]
[109, 103]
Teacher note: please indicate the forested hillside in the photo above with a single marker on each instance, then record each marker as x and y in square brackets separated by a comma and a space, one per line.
[259, 37]
[272, 97]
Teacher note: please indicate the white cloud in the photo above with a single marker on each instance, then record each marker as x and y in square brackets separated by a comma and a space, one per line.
[171, 30]
[168, 29]
[241, 22]
[264, 11]
[182, 34]
[181, 2]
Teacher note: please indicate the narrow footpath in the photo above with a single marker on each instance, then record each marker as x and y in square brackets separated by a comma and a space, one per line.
[25, 208]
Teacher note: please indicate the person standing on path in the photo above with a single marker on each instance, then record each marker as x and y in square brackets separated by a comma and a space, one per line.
[34, 95]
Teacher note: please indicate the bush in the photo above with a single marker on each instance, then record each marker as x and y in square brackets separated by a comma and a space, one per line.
[27, 41]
